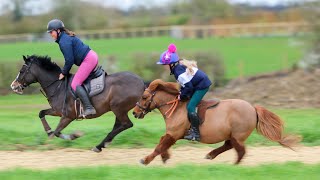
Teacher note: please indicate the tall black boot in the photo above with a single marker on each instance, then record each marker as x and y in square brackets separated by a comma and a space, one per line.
[82, 94]
[194, 133]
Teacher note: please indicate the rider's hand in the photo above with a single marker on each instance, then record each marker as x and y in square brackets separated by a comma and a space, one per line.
[183, 98]
[61, 76]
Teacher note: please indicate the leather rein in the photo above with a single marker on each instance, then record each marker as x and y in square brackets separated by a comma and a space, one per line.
[145, 110]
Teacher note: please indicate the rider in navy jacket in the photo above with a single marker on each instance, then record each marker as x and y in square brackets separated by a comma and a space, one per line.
[190, 84]
[73, 50]
[194, 85]
[78, 53]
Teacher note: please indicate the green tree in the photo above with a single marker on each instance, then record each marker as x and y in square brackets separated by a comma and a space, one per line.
[311, 60]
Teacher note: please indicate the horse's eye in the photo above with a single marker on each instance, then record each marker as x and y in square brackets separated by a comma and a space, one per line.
[144, 97]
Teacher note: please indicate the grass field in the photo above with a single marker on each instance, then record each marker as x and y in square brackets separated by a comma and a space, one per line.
[242, 56]
[20, 127]
[286, 171]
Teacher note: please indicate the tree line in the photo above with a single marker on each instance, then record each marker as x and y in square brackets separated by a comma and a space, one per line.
[85, 15]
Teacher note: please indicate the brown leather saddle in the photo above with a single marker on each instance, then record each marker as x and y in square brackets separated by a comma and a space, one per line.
[204, 105]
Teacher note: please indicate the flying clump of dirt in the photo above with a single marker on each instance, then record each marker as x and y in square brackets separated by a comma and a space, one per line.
[288, 89]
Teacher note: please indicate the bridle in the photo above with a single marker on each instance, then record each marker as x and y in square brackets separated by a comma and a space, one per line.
[146, 110]
[23, 85]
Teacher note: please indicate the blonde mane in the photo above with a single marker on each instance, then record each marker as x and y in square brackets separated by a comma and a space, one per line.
[170, 87]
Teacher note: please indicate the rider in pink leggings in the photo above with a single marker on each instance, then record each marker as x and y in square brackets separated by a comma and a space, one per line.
[78, 53]
[86, 67]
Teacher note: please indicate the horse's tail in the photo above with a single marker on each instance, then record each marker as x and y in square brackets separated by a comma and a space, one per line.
[271, 126]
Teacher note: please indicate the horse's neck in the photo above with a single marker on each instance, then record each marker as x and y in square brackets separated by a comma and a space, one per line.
[49, 82]
[170, 109]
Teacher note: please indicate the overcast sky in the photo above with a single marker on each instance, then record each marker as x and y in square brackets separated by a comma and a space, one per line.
[41, 6]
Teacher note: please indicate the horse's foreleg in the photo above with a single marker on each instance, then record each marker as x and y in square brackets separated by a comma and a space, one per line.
[214, 153]
[166, 142]
[165, 156]
[44, 122]
[119, 126]
[64, 122]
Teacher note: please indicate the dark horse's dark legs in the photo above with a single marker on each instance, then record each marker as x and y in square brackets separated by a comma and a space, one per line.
[45, 124]
[122, 123]
[64, 122]
[214, 153]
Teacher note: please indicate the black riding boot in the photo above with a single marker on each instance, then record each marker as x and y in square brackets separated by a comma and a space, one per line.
[194, 133]
[82, 94]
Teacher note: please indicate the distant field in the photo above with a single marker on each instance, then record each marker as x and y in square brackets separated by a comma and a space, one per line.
[245, 56]
[20, 127]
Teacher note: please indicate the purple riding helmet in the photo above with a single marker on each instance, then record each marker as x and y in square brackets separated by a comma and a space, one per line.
[169, 56]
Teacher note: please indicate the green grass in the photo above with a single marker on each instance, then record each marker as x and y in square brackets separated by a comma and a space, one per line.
[292, 170]
[242, 56]
[20, 127]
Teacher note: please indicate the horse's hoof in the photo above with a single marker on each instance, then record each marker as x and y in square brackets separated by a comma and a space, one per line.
[95, 149]
[51, 136]
[164, 161]
[208, 157]
[143, 162]
[78, 134]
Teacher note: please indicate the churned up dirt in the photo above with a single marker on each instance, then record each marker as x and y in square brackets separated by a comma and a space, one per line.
[182, 155]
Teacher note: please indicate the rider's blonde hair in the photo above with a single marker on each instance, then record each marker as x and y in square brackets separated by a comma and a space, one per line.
[189, 64]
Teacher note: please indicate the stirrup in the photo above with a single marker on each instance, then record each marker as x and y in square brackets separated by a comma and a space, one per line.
[90, 111]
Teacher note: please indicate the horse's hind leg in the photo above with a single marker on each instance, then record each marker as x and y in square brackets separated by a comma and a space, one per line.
[122, 123]
[239, 148]
[214, 153]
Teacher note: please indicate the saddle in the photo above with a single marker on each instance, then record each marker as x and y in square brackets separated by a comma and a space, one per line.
[94, 84]
[204, 105]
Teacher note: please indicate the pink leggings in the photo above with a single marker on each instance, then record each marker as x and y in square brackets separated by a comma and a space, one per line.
[87, 65]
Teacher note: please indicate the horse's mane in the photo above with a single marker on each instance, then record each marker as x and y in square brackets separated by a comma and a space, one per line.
[44, 62]
[169, 87]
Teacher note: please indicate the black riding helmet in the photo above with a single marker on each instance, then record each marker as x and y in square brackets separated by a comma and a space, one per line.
[54, 24]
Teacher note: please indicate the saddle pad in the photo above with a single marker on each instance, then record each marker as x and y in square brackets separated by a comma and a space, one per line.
[96, 85]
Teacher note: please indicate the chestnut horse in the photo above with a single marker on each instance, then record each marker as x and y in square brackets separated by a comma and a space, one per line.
[232, 121]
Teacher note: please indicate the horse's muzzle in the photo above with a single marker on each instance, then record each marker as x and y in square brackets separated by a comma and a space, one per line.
[139, 115]
[16, 87]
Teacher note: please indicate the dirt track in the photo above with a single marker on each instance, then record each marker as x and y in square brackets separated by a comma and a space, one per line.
[181, 155]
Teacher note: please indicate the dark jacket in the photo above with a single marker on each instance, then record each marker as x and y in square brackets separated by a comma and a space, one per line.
[189, 84]
[73, 50]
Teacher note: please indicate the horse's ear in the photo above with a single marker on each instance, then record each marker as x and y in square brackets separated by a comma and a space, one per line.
[24, 58]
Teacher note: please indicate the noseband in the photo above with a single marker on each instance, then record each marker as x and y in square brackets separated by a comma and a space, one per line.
[146, 110]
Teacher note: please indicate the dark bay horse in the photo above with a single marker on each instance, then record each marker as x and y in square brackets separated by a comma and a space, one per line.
[121, 92]
[231, 121]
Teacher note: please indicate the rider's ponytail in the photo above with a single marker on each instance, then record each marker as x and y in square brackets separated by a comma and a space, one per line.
[70, 33]
[189, 64]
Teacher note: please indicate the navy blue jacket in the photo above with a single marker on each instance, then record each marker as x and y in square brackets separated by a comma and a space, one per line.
[73, 50]
[189, 83]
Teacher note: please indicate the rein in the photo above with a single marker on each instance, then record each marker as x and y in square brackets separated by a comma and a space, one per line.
[55, 90]
[173, 107]
[147, 109]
